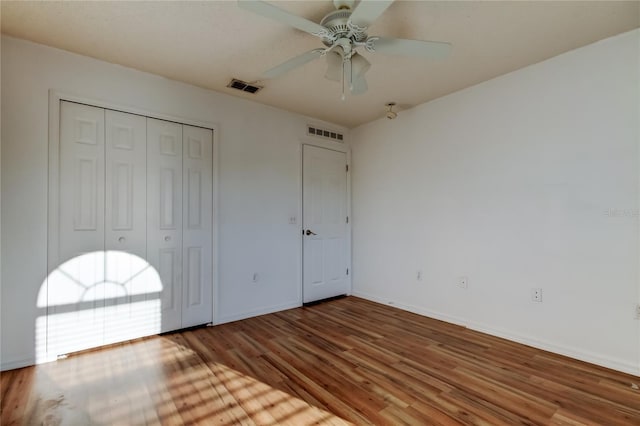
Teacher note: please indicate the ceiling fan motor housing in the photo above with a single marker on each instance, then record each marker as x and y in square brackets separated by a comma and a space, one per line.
[337, 27]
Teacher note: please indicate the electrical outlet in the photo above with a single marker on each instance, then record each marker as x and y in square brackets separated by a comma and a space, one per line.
[293, 220]
[419, 275]
[536, 294]
[463, 282]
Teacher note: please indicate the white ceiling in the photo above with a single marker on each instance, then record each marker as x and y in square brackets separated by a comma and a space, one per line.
[208, 43]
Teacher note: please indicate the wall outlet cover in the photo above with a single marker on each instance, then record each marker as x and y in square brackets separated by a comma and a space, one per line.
[536, 294]
[463, 282]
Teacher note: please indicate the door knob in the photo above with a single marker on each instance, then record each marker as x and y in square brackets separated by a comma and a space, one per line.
[167, 238]
[122, 239]
[310, 232]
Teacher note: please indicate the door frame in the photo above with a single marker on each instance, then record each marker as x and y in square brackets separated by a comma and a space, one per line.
[55, 98]
[332, 146]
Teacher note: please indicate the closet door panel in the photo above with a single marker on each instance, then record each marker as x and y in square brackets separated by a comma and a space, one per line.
[126, 160]
[197, 236]
[164, 215]
[75, 285]
[81, 183]
[130, 278]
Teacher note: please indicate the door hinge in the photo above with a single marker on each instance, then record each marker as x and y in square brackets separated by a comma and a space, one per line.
[347, 271]
[347, 168]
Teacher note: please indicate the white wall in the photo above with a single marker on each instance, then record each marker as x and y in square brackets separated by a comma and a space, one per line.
[528, 180]
[259, 182]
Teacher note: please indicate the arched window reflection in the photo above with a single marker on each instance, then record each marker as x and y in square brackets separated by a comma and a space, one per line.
[96, 299]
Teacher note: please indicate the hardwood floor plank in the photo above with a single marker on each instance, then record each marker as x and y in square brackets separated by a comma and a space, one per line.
[589, 406]
[336, 363]
[14, 400]
[433, 414]
[566, 418]
[325, 399]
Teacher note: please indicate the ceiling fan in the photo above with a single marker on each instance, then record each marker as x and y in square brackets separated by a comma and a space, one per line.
[343, 32]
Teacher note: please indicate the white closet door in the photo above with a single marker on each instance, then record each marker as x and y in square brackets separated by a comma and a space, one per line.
[197, 228]
[131, 290]
[164, 215]
[131, 252]
[75, 296]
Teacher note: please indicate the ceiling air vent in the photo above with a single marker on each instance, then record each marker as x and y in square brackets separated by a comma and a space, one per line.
[323, 133]
[243, 86]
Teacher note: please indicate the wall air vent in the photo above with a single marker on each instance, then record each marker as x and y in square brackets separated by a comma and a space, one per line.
[323, 133]
[244, 86]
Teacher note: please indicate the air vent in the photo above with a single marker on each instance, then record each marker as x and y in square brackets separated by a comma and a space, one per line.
[243, 86]
[323, 133]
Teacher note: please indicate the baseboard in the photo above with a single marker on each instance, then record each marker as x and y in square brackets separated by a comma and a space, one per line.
[258, 312]
[12, 365]
[414, 309]
[571, 352]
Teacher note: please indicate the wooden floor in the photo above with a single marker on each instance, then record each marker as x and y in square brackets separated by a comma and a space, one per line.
[345, 361]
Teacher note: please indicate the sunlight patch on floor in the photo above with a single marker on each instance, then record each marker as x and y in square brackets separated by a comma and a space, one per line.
[158, 381]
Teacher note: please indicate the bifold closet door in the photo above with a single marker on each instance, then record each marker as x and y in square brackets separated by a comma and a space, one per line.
[197, 229]
[179, 220]
[99, 279]
[164, 216]
[75, 285]
[131, 244]
[130, 284]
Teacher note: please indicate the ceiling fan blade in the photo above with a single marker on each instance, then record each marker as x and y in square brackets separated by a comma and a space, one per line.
[334, 66]
[292, 63]
[368, 11]
[272, 12]
[359, 86]
[417, 48]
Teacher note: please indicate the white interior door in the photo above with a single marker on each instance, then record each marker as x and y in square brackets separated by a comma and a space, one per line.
[197, 251]
[324, 178]
[164, 215]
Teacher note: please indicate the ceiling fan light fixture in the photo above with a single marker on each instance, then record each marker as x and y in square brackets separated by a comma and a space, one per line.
[343, 4]
[359, 66]
[391, 114]
[334, 66]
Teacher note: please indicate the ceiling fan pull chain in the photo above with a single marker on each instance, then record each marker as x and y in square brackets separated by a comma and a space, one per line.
[343, 97]
[348, 73]
[350, 81]
[350, 76]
